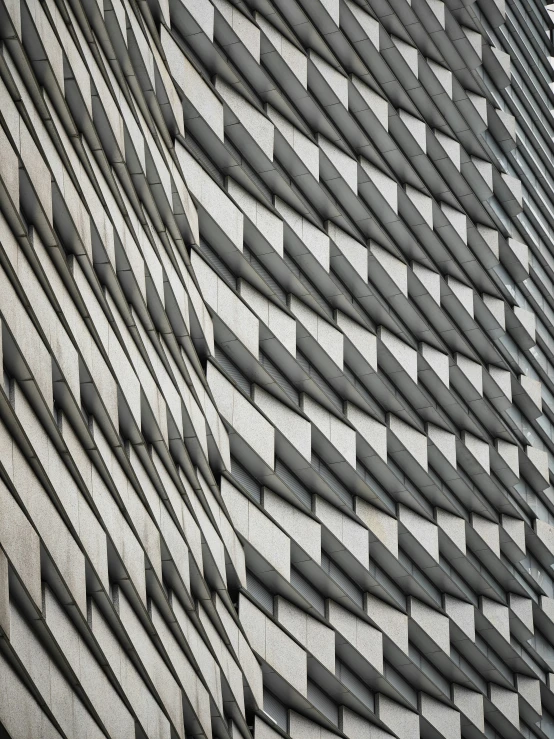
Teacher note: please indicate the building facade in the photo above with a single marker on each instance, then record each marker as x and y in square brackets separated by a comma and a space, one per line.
[277, 333]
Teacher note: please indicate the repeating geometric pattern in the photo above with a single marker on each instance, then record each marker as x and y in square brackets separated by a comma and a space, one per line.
[277, 332]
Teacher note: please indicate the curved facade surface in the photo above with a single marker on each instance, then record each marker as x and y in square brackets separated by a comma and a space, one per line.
[276, 419]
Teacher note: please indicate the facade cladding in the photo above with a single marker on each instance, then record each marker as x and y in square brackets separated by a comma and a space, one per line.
[276, 420]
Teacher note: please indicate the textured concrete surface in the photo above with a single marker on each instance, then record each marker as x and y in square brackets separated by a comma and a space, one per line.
[276, 327]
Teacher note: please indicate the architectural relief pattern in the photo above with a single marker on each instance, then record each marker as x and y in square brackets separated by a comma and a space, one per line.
[276, 420]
